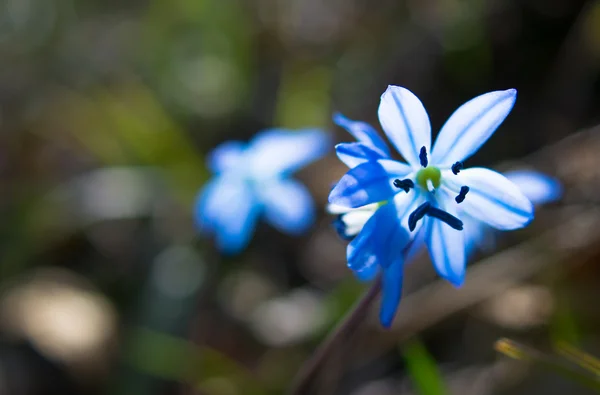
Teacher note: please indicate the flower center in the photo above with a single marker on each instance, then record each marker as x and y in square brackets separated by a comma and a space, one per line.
[429, 176]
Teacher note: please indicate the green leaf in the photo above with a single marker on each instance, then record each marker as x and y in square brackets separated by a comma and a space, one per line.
[423, 369]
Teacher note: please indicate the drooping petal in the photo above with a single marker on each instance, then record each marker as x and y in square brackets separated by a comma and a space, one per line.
[353, 154]
[288, 205]
[446, 248]
[226, 156]
[226, 208]
[366, 183]
[470, 126]
[492, 198]
[405, 122]
[391, 291]
[380, 242]
[361, 259]
[539, 188]
[279, 151]
[363, 133]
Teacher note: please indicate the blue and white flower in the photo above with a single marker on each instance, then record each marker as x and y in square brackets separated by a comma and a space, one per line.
[252, 179]
[539, 188]
[426, 192]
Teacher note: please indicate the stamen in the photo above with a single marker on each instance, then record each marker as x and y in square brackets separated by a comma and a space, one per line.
[457, 167]
[451, 220]
[423, 156]
[462, 194]
[416, 215]
[406, 184]
[340, 228]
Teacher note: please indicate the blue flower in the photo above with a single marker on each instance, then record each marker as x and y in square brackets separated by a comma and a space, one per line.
[425, 192]
[252, 180]
[539, 188]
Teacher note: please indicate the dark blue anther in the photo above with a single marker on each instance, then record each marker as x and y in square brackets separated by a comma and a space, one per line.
[340, 228]
[406, 184]
[423, 156]
[444, 216]
[462, 194]
[457, 167]
[416, 215]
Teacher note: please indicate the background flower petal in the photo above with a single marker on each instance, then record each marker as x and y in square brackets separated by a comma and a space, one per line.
[446, 245]
[391, 292]
[288, 206]
[353, 154]
[366, 183]
[280, 151]
[363, 133]
[405, 122]
[226, 156]
[470, 126]
[493, 199]
[539, 188]
[227, 208]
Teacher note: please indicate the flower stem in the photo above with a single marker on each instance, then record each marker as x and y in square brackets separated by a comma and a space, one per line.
[347, 326]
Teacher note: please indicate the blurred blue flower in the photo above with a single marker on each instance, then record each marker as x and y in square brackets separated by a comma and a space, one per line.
[425, 192]
[252, 180]
[539, 188]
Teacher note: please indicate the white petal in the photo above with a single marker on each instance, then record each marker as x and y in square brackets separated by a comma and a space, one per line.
[405, 122]
[492, 198]
[470, 126]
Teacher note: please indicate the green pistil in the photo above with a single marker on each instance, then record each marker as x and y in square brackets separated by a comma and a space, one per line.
[429, 173]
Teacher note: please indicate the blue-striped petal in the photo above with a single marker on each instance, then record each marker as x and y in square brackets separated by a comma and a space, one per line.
[470, 126]
[405, 122]
[492, 198]
[288, 206]
[363, 133]
[353, 154]
[366, 183]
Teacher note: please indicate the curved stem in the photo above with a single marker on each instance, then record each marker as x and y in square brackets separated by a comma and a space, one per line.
[347, 326]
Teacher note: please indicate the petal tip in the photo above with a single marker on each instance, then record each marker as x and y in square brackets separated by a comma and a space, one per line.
[338, 118]
[386, 320]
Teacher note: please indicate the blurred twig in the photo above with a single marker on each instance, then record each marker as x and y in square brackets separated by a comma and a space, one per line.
[346, 327]
[523, 352]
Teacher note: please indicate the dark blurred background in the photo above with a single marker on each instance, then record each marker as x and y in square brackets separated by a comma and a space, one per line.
[108, 109]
